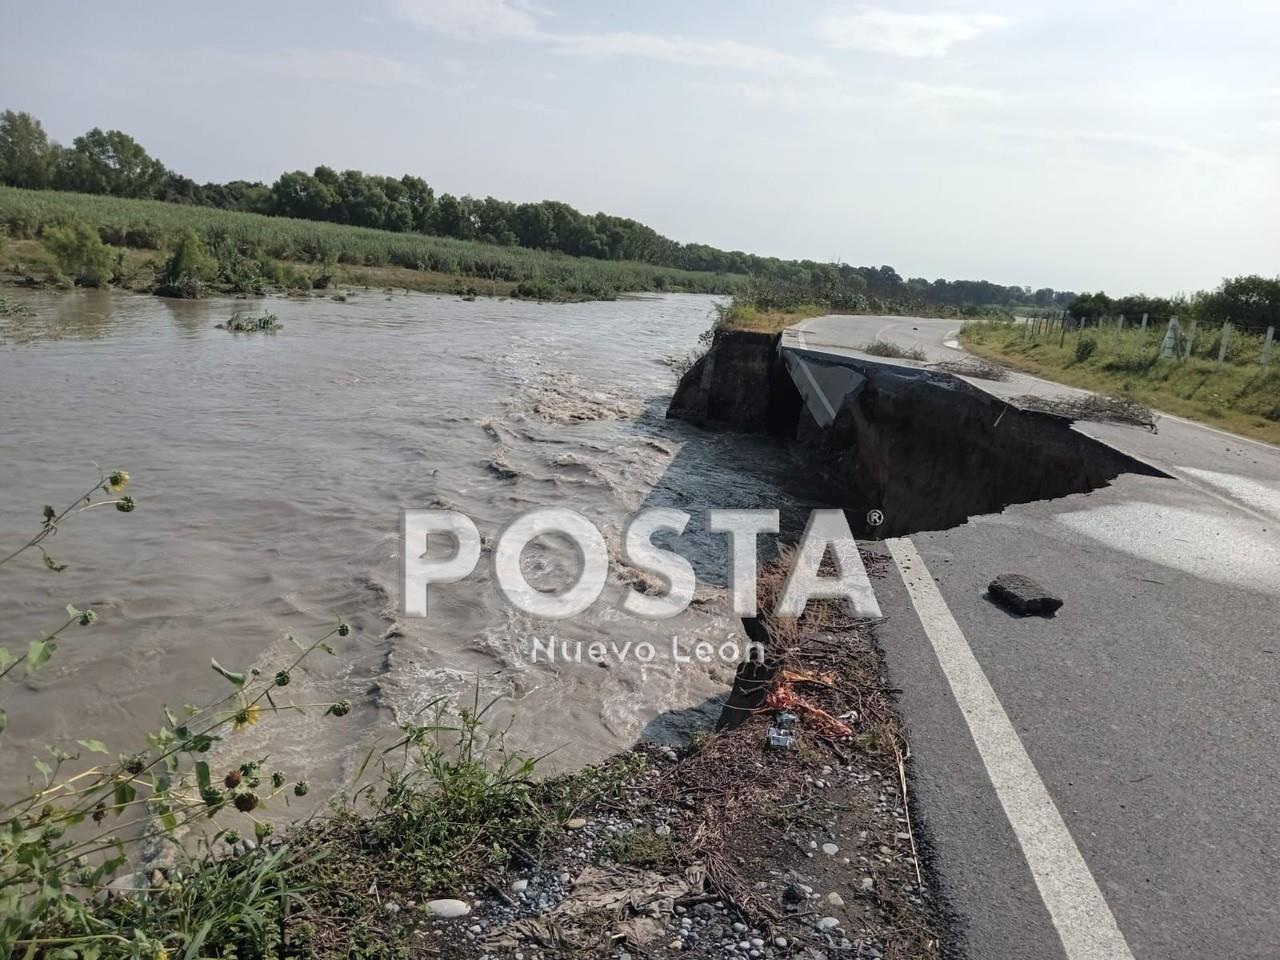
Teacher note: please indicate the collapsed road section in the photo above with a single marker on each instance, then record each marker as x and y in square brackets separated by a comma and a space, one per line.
[901, 447]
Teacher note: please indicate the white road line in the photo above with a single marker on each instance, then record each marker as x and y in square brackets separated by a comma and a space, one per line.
[804, 368]
[1076, 906]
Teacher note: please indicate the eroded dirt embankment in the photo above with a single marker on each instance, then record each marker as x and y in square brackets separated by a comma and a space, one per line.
[924, 448]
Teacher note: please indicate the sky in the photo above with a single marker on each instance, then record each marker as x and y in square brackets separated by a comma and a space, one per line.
[1084, 144]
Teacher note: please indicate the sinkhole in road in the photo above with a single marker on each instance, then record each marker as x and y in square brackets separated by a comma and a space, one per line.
[912, 447]
[923, 450]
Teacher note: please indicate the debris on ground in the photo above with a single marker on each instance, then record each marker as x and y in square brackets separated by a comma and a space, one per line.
[1103, 408]
[782, 734]
[1022, 595]
[974, 367]
[886, 348]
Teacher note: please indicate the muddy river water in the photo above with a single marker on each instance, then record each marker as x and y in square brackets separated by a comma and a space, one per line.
[270, 471]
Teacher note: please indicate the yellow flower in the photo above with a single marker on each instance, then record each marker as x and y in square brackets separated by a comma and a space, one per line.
[160, 954]
[117, 481]
[247, 717]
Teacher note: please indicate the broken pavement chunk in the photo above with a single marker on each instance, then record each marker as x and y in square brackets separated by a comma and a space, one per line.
[1022, 595]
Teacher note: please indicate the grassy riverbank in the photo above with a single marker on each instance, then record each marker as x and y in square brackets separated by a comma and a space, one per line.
[1239, 395]
[301, 251]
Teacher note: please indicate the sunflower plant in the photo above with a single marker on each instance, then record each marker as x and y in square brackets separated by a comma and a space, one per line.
[65, 846]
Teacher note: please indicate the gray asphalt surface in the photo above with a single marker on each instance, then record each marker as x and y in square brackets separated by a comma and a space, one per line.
[1149, 705]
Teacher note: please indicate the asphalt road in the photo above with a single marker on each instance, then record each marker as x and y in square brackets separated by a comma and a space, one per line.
[1104, 783]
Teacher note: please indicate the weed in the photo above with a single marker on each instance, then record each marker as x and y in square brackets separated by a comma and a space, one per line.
[640, 847]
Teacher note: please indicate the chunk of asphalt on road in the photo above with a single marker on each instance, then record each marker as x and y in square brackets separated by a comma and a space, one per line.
[1022, 595]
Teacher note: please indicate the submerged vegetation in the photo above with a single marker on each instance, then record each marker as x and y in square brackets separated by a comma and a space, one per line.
[243, 323]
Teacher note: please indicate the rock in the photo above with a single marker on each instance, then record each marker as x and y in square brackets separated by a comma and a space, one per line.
[448, 909]
[757, 942]
[744, 945]
[830, 849]
[793, 893]
[868, 883]
[475, 928]
[780, 942]
[126, 884]
[835, 899]
[1022, 595]
[676, 944]
[739, 928]
[577, 823]
[519, 886]
[662, 830]
[564, 878]
[827, 923]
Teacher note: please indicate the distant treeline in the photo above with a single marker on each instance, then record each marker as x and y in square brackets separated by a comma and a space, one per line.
[1248, 302]
[113, 163]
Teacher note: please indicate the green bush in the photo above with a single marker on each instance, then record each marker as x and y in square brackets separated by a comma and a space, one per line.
[188, 268]
[80, 253]
[1085, 348]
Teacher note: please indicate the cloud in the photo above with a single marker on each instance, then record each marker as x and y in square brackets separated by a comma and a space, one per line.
[723, 54]
[1157, 146]
[471, 19]
[492, 19]
[201, 65]
[953, 93]
[906, 34]
[334, 66]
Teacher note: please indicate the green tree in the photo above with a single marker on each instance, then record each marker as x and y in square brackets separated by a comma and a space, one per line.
[109, 162]
[1250, 302]
[419, 198]
[80, 253]
[26, 156]
[449, 217]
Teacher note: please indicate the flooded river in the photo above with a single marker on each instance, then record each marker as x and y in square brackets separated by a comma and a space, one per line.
[270, 471]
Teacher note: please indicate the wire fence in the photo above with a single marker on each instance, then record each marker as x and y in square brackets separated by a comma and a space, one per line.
[1178, 339]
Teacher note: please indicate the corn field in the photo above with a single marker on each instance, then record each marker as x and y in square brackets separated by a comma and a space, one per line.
[152, 224]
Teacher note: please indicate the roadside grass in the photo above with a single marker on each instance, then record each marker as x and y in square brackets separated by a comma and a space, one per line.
[1240, 395]
[157, 226]
[744, 316]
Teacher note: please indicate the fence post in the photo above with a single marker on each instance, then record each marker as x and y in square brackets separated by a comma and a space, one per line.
[1120, 322]
[1062, 339]
[1144, 323]
[1170, 345]
[1191, 338]
[1266, 346]
[1226, 337]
